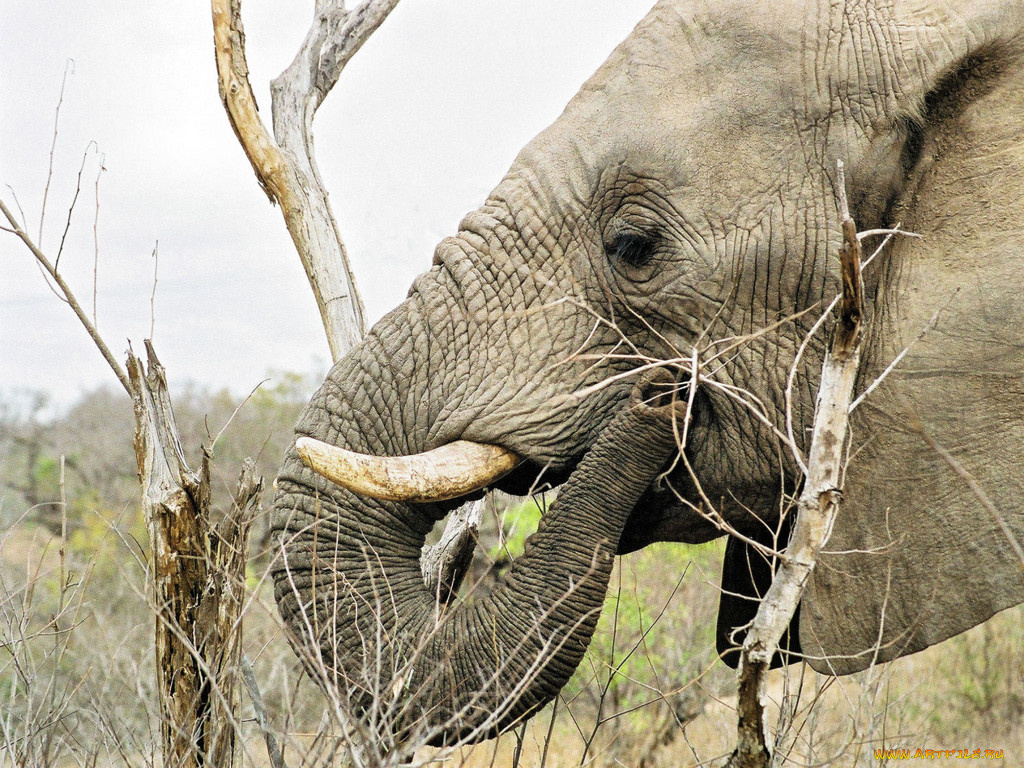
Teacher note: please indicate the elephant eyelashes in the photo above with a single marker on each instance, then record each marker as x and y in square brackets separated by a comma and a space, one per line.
[631, 249]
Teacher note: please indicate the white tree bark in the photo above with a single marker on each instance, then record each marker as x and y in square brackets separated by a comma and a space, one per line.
[816, 509]
[285, 164]
[286, 168]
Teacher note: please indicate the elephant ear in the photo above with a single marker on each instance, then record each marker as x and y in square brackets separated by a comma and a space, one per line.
[930, 536]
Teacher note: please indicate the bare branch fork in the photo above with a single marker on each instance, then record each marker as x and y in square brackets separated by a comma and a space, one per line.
[68, 296]
[286, 168]
[285, 164]
[199, 567]
[817, 507]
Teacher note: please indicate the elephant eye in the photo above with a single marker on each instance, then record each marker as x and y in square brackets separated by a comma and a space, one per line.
[632, 249]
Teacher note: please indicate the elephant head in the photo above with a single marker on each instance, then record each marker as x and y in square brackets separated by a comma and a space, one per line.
[681, 214]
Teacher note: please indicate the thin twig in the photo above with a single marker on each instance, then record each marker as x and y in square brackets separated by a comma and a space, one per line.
[903, 353]
[69, 65]
[866, 233]
[977, 490]
[17, 202]
[63, 535]
[152, 294]
[273, 748]
[71, 208]
[96, 239]
[234, 413]
[69, 297]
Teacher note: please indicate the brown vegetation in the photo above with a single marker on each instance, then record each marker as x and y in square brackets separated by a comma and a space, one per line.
[77, 677]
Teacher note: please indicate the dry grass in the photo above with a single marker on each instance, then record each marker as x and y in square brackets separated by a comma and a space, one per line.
[76, 677]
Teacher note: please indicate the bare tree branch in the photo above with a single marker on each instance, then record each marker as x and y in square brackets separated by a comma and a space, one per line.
[817, 507]
[69, 297]
[286, 169]
[285, 165]
[335, 37]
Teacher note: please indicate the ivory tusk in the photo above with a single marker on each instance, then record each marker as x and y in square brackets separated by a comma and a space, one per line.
[444, 473]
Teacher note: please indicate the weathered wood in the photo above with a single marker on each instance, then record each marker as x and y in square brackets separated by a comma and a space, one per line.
[285, 165]
[444, 565]
[816, 508]
[286, 168]
[198, 579]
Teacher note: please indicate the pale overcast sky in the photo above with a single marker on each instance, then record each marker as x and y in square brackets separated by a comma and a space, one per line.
[423, 123]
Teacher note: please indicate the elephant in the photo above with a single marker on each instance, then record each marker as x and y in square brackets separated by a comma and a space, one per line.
[631, 315]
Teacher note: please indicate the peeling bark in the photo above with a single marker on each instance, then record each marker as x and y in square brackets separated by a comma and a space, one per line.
[199, 579]
[816, 509]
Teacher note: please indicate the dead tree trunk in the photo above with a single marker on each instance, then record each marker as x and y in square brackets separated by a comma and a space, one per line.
[198, 566]
[198, 578]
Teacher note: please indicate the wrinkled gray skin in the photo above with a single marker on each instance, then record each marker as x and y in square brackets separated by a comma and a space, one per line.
[687, 195]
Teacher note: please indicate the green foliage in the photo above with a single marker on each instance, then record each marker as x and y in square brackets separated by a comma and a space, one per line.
[47, 476]
[95, 437]
[100, 534]
[656, 630]
[520, 521]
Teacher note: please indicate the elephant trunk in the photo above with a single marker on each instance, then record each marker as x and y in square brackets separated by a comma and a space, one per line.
[350, 589]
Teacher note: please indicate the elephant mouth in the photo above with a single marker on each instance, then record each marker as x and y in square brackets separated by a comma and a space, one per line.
[457, 470]
[669, 510]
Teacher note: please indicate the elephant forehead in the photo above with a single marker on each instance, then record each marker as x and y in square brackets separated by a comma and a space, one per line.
[690, 42]
[702, 76]
[666, 102]
[605, 150]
